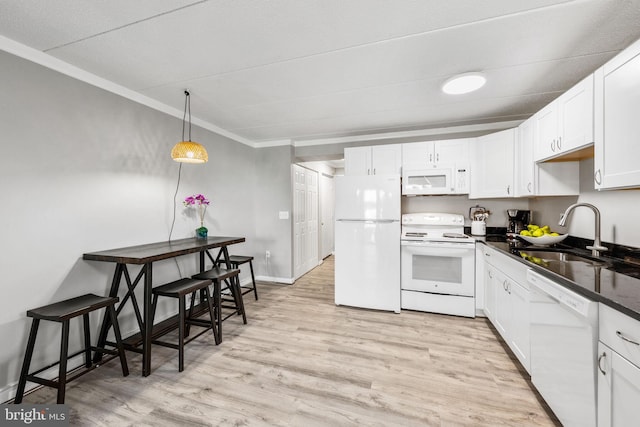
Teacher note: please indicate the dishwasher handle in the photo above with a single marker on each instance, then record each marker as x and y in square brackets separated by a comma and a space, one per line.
[577, 303]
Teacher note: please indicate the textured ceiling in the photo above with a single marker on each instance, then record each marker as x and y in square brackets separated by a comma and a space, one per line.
[306, 70]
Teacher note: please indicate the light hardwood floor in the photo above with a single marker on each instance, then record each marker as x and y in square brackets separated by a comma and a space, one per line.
[303, 361]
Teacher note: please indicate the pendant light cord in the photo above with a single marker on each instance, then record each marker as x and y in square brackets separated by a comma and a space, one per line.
[189, 107]
[184, 115]
[175, 194]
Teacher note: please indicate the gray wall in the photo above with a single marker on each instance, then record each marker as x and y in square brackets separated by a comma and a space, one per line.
[84, 170]
[273, 194]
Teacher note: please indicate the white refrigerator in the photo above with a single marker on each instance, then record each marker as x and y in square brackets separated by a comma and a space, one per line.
[367, 241]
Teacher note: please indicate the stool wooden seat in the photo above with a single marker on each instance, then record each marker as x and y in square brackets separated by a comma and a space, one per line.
[236, 261]
[230, 277]
[62, 312]
[180, 289]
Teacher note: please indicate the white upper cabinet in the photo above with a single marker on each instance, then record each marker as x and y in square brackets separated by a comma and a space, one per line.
[567, 124]
[541, 179]
[375, 160]
[492, 171]
[617, 121]
[420, 155]
[525, 165]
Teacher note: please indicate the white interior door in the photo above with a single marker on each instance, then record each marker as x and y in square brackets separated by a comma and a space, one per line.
[326, 215]
[311, 215]
[299, 220]
[305, 223]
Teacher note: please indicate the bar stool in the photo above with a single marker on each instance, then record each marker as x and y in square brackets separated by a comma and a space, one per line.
[230, 277]
[236, 261]
[180, 289]
[62, 312]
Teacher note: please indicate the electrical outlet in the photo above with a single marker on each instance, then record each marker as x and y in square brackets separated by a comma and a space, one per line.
[267, 254]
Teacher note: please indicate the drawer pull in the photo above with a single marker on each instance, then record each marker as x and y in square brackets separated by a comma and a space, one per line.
[621, 336]
[602, 356]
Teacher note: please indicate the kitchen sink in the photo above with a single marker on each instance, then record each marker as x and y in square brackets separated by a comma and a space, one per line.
[543, 257]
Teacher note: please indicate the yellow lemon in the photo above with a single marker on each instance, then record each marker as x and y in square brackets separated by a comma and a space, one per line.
[525, 233]
[532, 227]
[537, 233]
[554, 234]
[546, 229]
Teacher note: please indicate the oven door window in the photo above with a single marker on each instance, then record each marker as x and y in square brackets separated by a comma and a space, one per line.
[436, 268]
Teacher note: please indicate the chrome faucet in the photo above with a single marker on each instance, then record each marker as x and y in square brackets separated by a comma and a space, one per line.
[597, 245]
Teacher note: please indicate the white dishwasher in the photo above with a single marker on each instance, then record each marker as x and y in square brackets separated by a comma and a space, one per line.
[564, 345]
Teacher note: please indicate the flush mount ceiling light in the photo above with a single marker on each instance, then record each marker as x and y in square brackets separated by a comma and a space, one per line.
[463, 83]
[188, 151]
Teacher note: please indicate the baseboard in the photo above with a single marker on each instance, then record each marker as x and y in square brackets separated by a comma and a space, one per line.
[280, 280]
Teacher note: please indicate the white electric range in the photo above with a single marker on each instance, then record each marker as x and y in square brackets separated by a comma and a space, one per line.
[437, 264]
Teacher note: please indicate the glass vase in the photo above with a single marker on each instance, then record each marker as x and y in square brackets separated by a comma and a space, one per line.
[201, 232]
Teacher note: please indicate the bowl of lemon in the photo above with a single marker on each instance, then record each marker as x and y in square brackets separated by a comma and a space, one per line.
[541, 236]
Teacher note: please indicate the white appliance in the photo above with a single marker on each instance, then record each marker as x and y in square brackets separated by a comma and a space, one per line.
[564, 344]
[437, 264]
[443, 179]
[367, 233]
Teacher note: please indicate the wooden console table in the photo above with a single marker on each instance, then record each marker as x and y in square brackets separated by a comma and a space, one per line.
[145, 256]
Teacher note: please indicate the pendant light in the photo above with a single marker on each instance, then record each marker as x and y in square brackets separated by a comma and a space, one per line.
[188, 151]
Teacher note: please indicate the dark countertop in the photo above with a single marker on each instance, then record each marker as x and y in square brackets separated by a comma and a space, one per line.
[616, 283]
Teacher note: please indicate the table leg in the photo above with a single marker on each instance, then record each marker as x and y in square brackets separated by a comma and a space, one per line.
[225, 253]
[217, 286]
[106, 321]
[148, 321]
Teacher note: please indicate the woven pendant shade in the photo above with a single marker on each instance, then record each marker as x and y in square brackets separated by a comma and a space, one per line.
[189, 152]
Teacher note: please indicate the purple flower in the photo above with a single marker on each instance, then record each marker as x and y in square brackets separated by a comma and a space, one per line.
[196, 199]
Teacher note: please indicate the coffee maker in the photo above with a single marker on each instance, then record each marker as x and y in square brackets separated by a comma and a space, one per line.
[518, 221]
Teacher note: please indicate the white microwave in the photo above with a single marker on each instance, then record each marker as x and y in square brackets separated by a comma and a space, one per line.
[441, 179]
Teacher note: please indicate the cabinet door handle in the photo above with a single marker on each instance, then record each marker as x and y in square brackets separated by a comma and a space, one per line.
[529, 187]
[553, 145]
[437, 157]
[602, 356]
[559, 143]
[374, 171]
[508, 189]
[621, 336]
[490, 276]
[597, 177]
[368, 171]
[430, 157]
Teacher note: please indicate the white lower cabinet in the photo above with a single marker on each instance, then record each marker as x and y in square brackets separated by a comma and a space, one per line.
[618, 389]
[520, 323]
[618, 369]
[506, 302]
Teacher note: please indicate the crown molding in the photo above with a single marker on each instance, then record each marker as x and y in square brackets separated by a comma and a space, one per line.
[25, 52]
[493, 126]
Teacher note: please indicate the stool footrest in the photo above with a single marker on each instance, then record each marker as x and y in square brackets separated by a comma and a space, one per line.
[186, 340]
